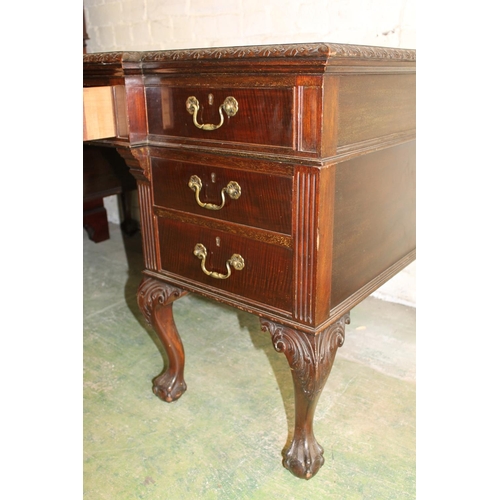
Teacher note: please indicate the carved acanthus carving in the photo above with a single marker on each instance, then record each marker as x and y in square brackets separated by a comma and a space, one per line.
[111, 57]
[308, 354]
[153, 293]
[311, 50]
[326, 50]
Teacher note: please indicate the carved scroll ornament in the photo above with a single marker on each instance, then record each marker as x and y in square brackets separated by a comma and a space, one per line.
[153, 293]
[310, 357]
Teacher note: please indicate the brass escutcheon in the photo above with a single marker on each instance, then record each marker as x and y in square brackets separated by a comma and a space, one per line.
[233, 189]
[235, 261]
[230, 106]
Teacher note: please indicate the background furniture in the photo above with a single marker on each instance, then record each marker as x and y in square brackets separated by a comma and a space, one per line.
[104, 174]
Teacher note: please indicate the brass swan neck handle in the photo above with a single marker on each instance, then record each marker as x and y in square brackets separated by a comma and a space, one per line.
[230, 106]
[233, 189]
[235, 261]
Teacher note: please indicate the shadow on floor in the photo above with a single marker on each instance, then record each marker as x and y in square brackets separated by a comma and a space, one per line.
[222, 439]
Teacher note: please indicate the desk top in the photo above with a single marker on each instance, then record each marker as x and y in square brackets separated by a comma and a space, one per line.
[327, 55]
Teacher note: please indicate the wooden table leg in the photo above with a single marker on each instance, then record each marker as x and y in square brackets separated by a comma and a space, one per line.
[310, 358]
[155, 299]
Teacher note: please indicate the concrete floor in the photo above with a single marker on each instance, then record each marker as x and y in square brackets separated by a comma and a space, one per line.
[223, 438]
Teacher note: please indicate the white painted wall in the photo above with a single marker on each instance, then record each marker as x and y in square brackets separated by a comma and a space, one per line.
[172, 24]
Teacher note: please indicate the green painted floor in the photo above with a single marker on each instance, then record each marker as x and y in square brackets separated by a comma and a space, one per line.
[223, 438]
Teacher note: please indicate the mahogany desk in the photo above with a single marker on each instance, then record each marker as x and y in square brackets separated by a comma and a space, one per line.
[277, 179]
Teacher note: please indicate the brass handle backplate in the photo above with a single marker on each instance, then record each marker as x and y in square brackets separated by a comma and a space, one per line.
[233, 189]
[230, 106]
[235, 261]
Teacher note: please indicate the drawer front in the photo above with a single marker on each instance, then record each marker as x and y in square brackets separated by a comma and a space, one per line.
[254, 199]
[266, 276]
[258, 116]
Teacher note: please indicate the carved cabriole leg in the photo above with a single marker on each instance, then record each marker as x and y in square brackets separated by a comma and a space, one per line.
[310, 358]
[155, 299]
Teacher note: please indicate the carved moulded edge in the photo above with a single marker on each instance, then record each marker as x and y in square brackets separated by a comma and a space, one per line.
[111, 57]
[322, 50]
[305, 50]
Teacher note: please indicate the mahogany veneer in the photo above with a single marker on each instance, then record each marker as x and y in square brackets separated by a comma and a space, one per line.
[276, 179]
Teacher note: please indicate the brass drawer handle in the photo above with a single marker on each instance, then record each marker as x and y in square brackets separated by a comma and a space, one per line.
[230, 106]
[236, 261]
[233, 189]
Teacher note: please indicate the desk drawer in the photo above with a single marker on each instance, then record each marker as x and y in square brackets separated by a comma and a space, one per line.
[266, 276]
[261, 116]
[254, 199]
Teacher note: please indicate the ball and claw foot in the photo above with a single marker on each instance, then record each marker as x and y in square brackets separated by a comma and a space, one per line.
[303, 459]
[169, 388]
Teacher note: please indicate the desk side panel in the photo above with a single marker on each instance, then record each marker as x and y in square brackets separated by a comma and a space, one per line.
[372, 107]
[374, 214]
